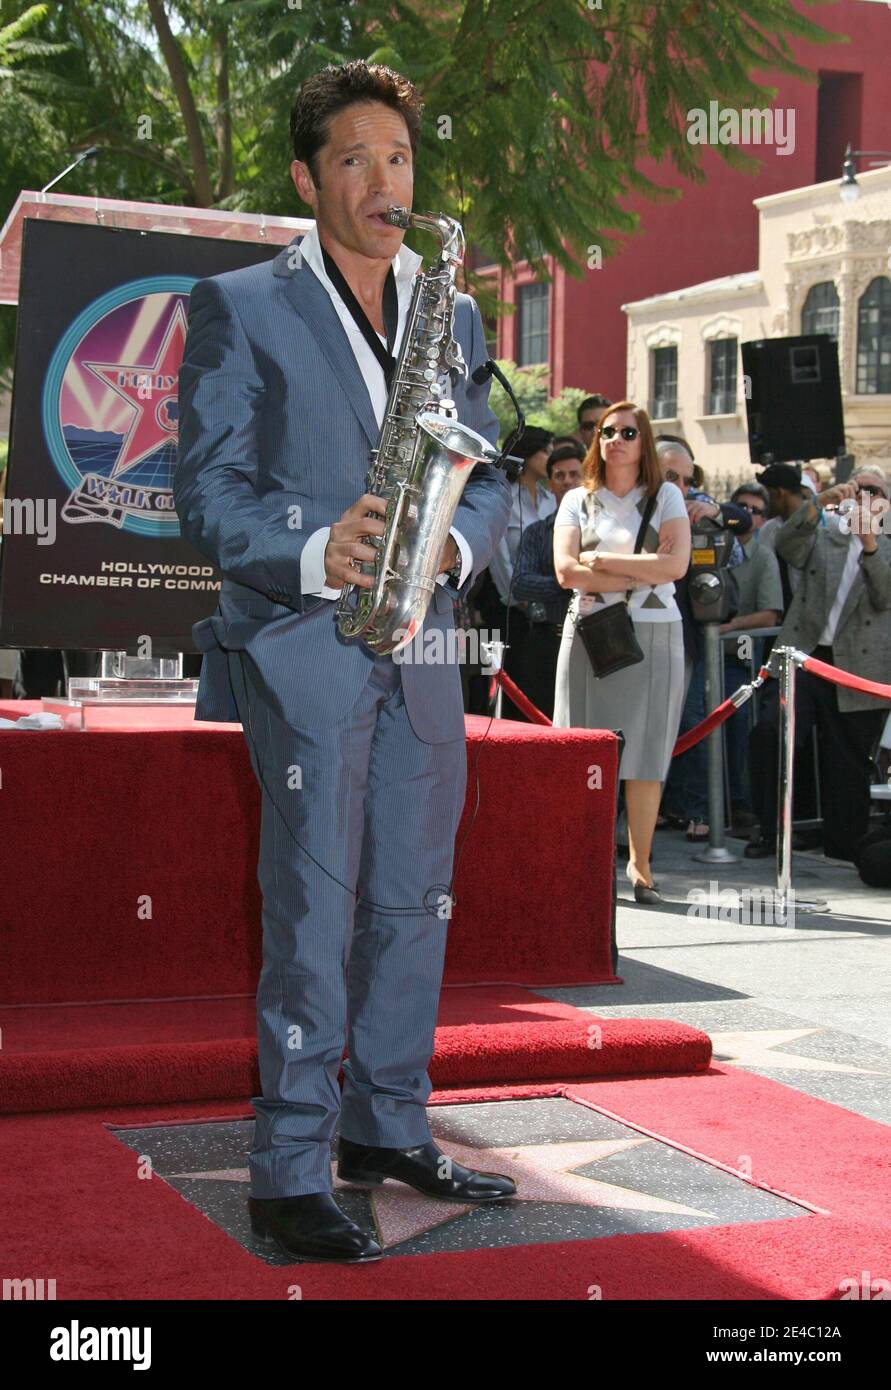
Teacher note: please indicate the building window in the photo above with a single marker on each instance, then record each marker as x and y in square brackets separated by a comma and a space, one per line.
[839, 108]
[874, 339]
[532, 325]
[665, 383]
[820, 312]
[722, 376]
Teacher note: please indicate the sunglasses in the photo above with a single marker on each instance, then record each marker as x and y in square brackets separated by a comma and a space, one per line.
[756, 511]
[673, 477]
[627, 432]
[588, 425]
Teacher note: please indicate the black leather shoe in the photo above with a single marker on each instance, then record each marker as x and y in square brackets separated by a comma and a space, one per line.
[760, 848]
[425, 1168]
[311, 1227]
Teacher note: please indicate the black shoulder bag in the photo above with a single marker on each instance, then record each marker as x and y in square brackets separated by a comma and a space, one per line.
[609, 635]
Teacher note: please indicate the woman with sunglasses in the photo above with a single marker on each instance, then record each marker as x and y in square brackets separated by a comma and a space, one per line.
[595, 531]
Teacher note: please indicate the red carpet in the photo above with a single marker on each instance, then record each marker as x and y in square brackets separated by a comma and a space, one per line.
[61, 1057]
[103, 828]
[76, 1206]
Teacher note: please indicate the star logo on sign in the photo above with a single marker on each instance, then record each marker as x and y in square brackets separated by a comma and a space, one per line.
[150, 390]
[542, 1172]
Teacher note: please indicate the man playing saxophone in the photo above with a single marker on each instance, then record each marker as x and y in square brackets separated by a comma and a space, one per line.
[360, 758]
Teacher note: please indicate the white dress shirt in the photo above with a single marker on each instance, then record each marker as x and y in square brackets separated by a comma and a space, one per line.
[848, 575]
[405, 264]
[522, 514]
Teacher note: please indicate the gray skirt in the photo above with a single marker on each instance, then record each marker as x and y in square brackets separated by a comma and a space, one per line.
[644, 701]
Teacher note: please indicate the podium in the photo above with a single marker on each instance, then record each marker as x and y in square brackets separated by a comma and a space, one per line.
[146, 217]
[101, 402]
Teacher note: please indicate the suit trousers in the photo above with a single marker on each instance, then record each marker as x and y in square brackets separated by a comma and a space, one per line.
[357, 837]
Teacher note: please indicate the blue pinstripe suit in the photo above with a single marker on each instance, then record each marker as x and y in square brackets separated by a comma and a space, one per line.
[361, 759]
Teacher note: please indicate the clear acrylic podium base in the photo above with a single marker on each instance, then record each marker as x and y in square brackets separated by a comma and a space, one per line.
[148, 692]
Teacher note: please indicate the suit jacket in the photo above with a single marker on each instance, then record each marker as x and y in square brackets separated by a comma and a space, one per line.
[862, 642]
[275, 429]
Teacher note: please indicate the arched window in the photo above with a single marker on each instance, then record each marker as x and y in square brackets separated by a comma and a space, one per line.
[820, 312]
[874, 339]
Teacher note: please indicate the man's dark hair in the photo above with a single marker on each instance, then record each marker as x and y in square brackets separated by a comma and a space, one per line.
[562, 452]
[340, 85]
[749, 490]
[592, 403]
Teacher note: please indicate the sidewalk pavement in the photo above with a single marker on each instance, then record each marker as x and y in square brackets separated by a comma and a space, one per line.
[808, 1004]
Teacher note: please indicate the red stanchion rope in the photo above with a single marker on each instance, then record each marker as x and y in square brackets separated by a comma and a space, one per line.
[832, 673]
[521, 701]
[702, 730]
[691, 737]
[725, 709]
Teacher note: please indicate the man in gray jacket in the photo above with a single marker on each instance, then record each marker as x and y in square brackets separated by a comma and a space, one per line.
[841, 614]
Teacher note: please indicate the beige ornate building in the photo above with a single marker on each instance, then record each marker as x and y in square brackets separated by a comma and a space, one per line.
[825, 266]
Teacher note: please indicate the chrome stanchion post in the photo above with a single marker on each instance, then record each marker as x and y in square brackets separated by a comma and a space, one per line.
[785, 773]
[493, 655]
[787, 902]
[716, 852]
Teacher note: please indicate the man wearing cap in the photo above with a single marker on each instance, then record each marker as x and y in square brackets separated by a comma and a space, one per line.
[787, 487]
[841, 614]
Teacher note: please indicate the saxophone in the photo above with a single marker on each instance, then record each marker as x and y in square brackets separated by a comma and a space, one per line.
[423, 458]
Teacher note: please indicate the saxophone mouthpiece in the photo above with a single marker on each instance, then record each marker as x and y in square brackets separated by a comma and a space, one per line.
[399, 217]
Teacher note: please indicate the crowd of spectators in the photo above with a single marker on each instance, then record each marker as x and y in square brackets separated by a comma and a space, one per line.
[810, 567]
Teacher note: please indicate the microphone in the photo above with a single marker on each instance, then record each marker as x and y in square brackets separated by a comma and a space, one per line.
[90, 153]
[480, 377]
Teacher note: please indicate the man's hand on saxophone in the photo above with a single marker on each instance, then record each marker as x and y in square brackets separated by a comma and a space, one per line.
[345, 543]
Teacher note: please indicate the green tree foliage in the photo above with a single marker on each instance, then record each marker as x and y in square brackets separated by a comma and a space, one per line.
[540, 118]
[555, 413]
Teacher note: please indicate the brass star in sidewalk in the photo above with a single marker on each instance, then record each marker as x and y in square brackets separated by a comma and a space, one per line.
[753, 1048]
[542, 1172]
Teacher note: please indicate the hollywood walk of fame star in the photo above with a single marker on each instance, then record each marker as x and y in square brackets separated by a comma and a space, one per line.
[754, 1048]
[542, 1172]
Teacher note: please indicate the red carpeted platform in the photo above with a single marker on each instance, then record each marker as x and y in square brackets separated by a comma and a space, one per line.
[130, 862]
[104, 1232]
[67, 1057]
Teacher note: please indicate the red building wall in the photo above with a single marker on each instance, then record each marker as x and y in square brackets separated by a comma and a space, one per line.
[712, 229]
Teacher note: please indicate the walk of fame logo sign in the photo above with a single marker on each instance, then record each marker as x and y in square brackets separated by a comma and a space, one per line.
[110, 406]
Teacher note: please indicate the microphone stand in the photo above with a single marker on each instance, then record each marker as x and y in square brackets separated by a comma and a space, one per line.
[86, 154]
[482, 374]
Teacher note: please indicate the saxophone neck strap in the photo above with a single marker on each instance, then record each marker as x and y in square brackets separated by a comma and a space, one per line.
[383, 354]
